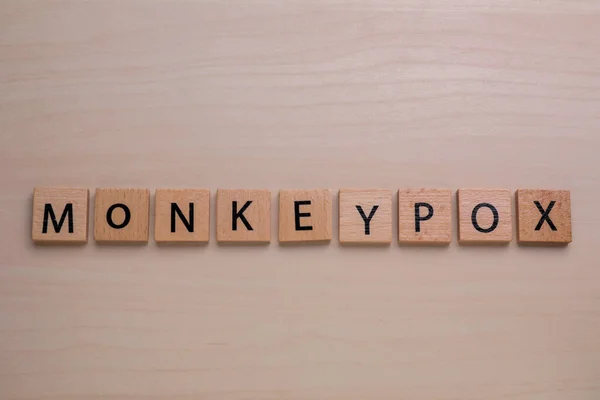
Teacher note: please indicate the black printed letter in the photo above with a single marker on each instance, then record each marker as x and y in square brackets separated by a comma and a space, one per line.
[418, 217]
[298, 215]
[125, 221]
[235, 215]
[474, 218]
[367, 219]
[49, 213]
[545, 215]
[189, 224]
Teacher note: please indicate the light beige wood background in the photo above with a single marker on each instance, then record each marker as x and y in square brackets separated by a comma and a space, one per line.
[299, 94]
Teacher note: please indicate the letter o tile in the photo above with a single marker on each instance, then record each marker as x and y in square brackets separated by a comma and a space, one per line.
[484, 216]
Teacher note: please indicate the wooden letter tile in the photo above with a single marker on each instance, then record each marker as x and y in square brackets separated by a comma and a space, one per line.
[243, 216]
[60, 215]
[365, 216]
[484, 216]
[182, 216]
[122, 215]
[425, 216]
[305, 216]
[544, 216]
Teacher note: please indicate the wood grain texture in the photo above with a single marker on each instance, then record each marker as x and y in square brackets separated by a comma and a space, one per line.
[190, 219]
[299, 94]
[374, 225]
[548, 221]
[425, 216]
[305, 216]
[122, 215]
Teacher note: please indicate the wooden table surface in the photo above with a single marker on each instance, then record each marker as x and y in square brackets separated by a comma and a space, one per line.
[299, 94]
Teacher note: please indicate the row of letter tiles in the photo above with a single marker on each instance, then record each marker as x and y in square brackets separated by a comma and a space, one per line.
[244, 216]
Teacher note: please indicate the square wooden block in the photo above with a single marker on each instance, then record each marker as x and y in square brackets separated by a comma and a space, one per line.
[60, 215]
[425, 216]
[122, 215]
[182, 216]
[305, 215]
[544, 216]
[484, 216]
[365, 216]
[243, 216]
